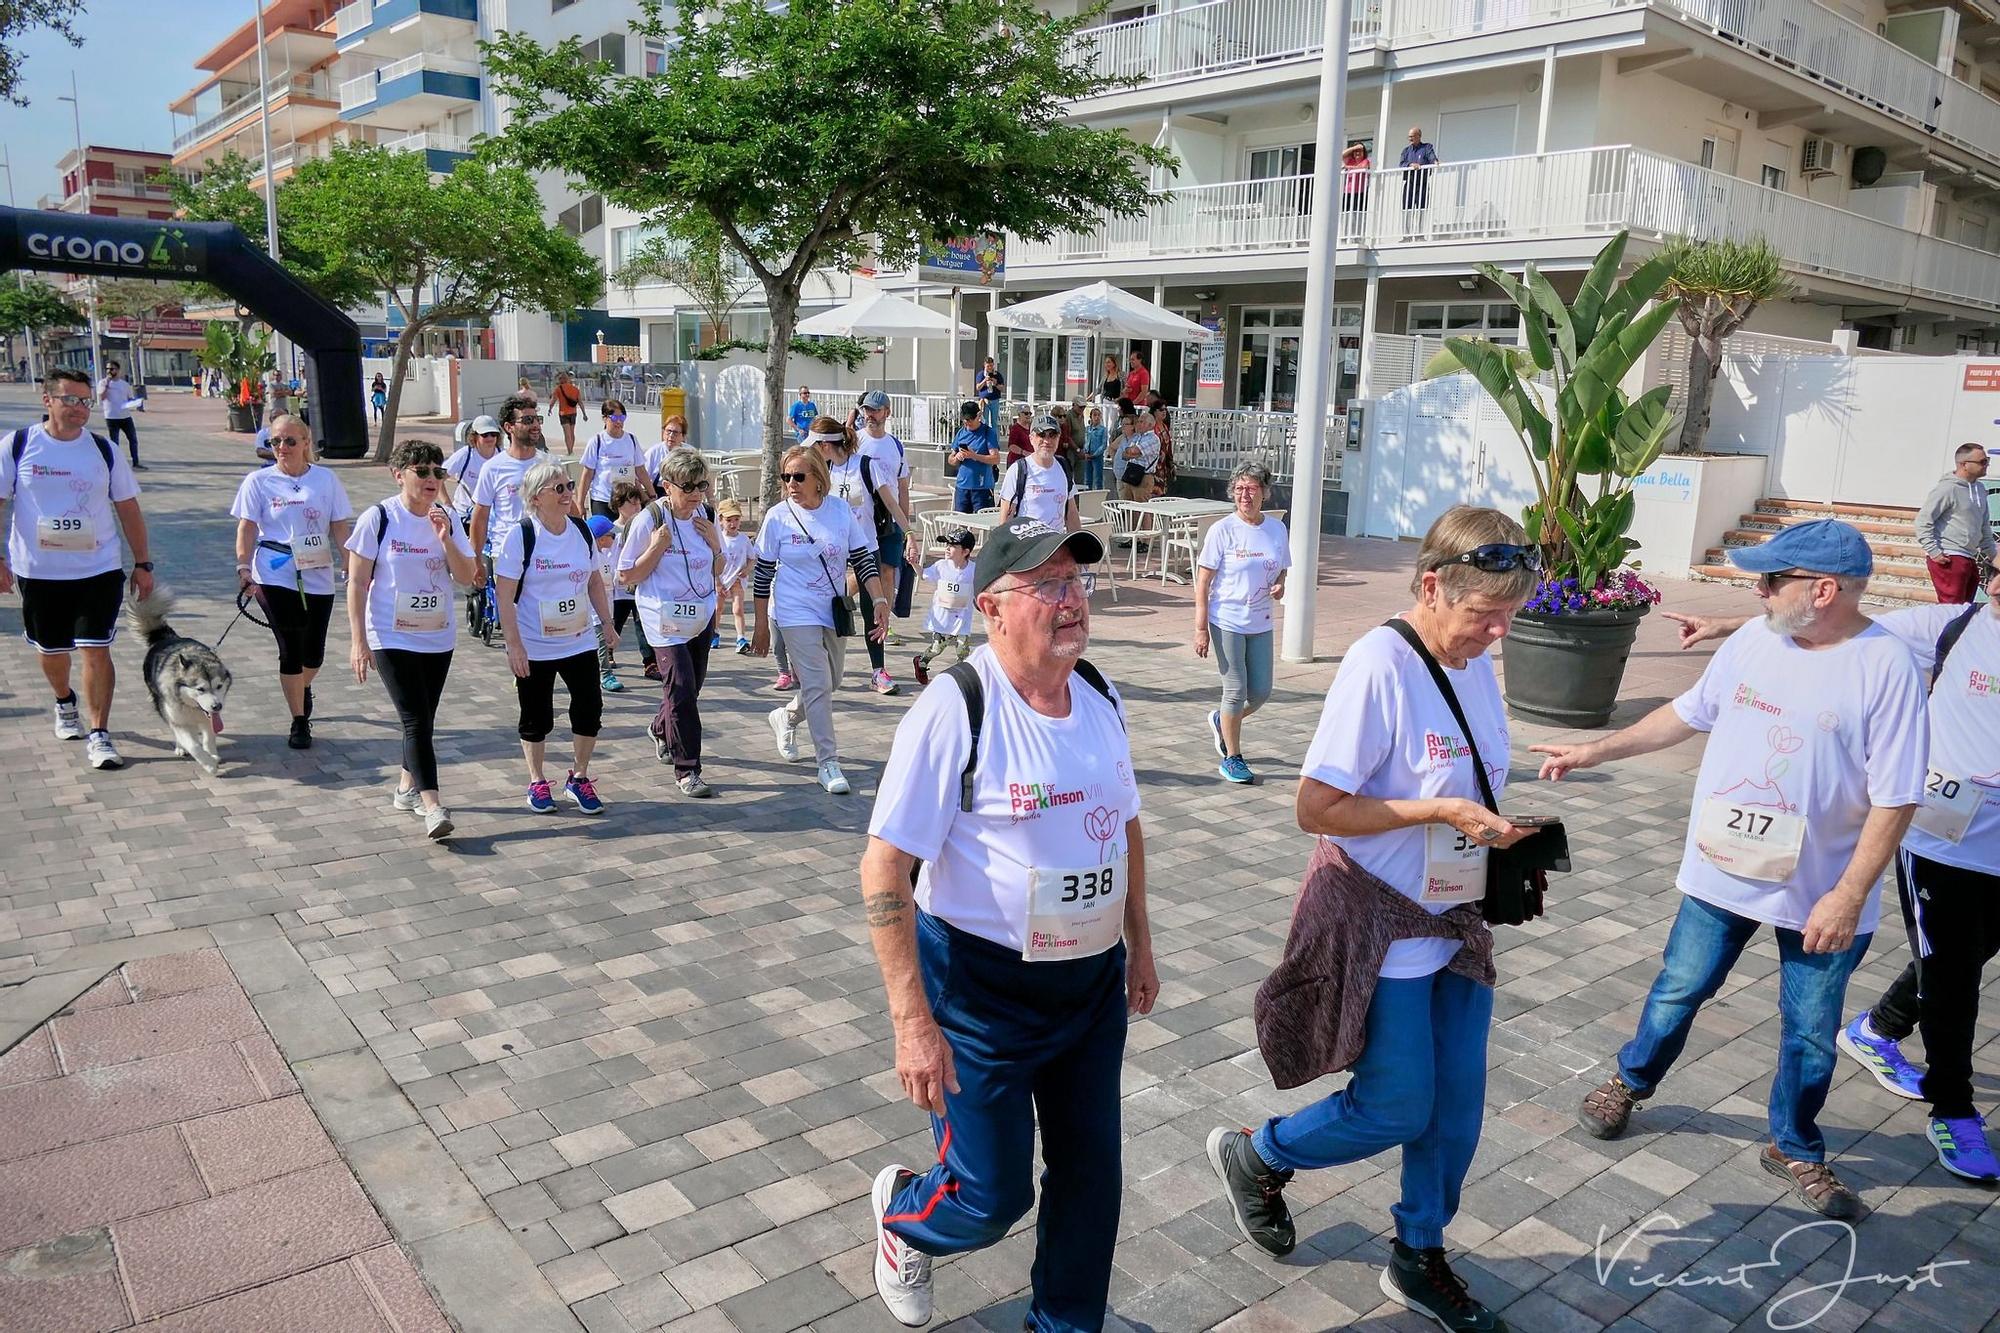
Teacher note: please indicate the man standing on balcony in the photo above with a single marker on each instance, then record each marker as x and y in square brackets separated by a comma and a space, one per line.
[1417, 160]
[1954, 529]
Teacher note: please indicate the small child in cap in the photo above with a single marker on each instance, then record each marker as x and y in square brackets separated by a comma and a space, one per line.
[950, 617]
[735, 564]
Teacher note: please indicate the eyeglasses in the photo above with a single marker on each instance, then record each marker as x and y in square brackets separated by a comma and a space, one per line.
[671, 430]
[527, 421]
[290, 439]
[1047, 434]
[486, 435]
[1054, 592]
[614, 416]
[426, 471]
[70, 399]
[700, 486]
[559, 487]
[1769, 582]
[1500, 558]
[795, 477]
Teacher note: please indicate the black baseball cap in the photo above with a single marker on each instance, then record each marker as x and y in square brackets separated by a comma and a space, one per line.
[968, 408]
[1028, 543]
[961, 538]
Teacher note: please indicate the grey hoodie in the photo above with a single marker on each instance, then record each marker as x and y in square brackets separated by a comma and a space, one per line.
[1954, 521]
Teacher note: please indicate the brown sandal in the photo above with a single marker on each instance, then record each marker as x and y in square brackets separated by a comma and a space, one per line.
[1607, 1109]
[1814, 1183]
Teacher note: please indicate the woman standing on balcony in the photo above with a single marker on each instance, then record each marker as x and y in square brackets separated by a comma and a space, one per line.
[1354, 169]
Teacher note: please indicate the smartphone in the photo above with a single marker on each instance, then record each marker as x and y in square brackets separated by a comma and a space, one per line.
[1532, 821]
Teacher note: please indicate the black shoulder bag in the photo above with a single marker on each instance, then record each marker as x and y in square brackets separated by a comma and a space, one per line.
[843, 610]
[1516, 877]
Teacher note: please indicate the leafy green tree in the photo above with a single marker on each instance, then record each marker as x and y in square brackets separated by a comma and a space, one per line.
[811, 133]
[705, 269]
[38, 309]
[224, 193]
[446, 250]
[142, 303]
[19, 17]
[1719, 284]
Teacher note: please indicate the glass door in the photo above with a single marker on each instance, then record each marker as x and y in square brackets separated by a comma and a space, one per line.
[1267, 374]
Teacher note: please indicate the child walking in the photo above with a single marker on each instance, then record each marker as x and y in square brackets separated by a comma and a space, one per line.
[735, 564]
[950, 618]
[626, 501]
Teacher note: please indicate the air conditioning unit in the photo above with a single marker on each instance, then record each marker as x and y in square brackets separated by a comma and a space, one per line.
[1822, 157]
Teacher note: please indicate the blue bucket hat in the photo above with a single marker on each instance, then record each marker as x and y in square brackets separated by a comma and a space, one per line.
[1823, 546]
[601, 527]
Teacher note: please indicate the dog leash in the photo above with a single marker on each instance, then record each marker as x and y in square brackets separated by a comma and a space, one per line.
[242, 611]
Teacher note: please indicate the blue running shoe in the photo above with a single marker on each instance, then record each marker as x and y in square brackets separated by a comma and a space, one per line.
[1881, 1057]
[1962, 1148]
[611, 683]
[581, 790]
[539, 799]
[1235, 769]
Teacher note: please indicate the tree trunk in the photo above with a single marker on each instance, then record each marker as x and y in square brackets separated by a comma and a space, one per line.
[1700, 390]
[386, 441]
[784, 304]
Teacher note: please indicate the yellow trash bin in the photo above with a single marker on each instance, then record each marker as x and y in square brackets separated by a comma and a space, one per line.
[673, 402]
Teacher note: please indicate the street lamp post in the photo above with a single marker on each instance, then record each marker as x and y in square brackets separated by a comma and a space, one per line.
[76, 121]
[1316, 353]
[21, 275]
[270, 174]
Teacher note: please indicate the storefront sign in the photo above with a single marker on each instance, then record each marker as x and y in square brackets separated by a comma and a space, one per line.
[1212, 353]
[1665, 483]
[1079, 353]
[967, 261]
[1982, 377]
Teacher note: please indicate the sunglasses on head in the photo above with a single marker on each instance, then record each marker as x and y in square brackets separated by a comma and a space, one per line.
[1500, 558]
[426, 471]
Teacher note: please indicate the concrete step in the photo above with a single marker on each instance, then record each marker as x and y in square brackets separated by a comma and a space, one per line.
[1901, 571]
[1804, 510]
[1885, 548]
[1886, 591]
[1869, 527]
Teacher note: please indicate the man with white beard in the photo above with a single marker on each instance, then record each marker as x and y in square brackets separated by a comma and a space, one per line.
[1815, 764]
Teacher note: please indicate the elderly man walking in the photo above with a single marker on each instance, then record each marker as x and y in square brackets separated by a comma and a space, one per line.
[1954, 528]
[1814, 766]
[1005, 886]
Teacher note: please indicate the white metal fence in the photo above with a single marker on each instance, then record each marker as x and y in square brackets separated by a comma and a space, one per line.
[914, 418]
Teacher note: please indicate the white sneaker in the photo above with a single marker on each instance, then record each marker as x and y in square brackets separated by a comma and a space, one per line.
[787, 733]
[902, 1275]
[69, 726]
[101, 752]
[831, 778]
[406, 800]
[437, 823]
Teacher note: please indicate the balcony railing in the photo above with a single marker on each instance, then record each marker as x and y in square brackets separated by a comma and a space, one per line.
[1553, 196]
[353, 18]
[1801, 36]
[427, 141]
[361, 91]
[303, 85]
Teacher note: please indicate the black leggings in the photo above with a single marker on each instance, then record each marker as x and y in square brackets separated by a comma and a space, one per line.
[298, 626]
[1956, 913]
[875, 658]
[537, 692]
[116, 426]
[622, 612]
[415, 682]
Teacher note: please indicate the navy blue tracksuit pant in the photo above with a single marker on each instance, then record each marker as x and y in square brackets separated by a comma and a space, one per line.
[1031, 1041]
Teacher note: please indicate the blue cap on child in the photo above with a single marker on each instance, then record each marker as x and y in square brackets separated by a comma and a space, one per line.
[601, 527]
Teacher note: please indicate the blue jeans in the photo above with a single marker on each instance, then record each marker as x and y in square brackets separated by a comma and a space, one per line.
[1420, 1084]
[1812, 987]
[971, 499]
[1031, 1042]
[1093, 472]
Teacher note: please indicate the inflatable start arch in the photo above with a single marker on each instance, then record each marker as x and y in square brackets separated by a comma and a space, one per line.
[219, 254]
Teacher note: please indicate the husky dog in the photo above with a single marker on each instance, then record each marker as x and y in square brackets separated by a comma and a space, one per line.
[187, 680]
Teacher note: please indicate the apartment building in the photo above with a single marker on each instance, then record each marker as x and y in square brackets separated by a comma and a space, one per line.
[1861, 140]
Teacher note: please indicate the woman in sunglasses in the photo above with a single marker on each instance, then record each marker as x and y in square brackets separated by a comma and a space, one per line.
[290, 519]
[672, 560]
[1389, 905]
[406, 553]
[611, 456]
[547, 580]
[805, 546]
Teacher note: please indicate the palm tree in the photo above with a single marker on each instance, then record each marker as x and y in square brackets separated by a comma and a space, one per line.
[1719, 283]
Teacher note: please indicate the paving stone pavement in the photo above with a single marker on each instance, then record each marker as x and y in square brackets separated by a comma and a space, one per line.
[655, 1045]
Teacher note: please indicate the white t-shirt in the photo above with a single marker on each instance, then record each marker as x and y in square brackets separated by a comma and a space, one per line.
[499, 489]
[848, 486]
[951, 603]
[736, 554]
[1386, 732]
[463, 469]
[677, 600]
[117, 395]
[1965, 732]
[298, 512]
[1047, 494]
[410, 603]
[553, 611]
[810, 548]
[1806, 741]
[611, 460]
[1247, 561]
[656, 458]
[1053, 793]
[889, 461]
[60, 521]
[607, 564]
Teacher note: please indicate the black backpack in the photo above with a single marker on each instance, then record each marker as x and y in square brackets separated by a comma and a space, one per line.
[1021, 484]
[19, 446]
[528, 526]
[966, 677]
[1948, 640]
[883, 522]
